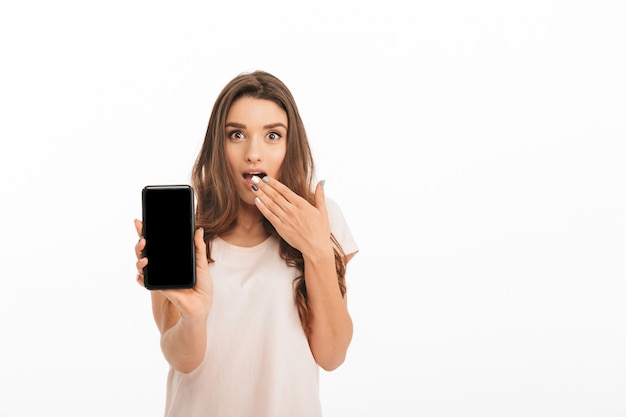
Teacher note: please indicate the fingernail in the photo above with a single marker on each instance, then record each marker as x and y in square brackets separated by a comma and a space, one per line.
[254, 187]
[257, 200]
[255, 179]
[266, 180]
[322, 183]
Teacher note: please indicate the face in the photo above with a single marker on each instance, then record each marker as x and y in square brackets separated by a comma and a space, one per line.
[256, 142]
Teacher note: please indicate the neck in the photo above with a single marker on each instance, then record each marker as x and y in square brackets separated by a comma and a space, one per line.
[249, 230]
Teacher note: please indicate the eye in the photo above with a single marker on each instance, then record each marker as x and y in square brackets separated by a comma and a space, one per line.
[274, 136]
[236, 135]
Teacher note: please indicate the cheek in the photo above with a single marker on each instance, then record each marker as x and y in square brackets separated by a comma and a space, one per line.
[277, 161]
[278, 154]
[231, 157]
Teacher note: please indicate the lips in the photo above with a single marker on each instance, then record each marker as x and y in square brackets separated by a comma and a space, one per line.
[249, 174]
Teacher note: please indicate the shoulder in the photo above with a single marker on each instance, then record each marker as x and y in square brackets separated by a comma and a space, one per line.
[333, 208]
[335, 214]
[339, 226]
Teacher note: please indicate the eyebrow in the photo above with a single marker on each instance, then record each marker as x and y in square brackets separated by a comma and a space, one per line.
[242, 126]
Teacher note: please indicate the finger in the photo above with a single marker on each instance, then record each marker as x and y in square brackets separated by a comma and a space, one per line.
[271, 200]
[276, 189]
[139, 247]
[201, 258]
[320, 201]
[141, 264]
[267, 209]
[139, 227]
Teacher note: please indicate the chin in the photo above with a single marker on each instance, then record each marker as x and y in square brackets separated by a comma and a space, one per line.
[248, 200]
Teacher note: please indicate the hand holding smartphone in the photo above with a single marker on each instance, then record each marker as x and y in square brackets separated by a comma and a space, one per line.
[168, 227]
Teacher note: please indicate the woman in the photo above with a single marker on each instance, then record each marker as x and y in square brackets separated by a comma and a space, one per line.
[269, 306]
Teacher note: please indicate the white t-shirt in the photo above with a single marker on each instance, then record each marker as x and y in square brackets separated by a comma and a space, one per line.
[258, 361]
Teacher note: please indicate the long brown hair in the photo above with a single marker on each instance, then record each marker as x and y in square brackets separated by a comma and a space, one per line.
[217, 198]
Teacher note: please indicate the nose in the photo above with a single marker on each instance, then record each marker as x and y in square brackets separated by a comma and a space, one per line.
[253, 152]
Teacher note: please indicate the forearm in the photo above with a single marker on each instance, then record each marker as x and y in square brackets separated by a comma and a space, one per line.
[184, 344]
[331, 326]
[183, 337]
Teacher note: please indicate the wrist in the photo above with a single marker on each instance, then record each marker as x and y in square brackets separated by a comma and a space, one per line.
[194, 318]
[319, 253]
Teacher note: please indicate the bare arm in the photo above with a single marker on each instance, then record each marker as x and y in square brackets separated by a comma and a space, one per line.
[183, 339]
[306, 228]
[181, 315]
[331, 324]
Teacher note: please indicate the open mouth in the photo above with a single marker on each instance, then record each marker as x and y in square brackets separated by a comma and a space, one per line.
[249, 175]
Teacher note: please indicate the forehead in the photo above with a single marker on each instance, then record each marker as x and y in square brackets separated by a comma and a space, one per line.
[250, 110]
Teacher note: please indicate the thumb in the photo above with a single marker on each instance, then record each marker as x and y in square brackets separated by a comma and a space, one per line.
[320, 201]
[200, 248]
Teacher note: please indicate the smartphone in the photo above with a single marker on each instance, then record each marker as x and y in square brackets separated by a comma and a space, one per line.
[168, 227]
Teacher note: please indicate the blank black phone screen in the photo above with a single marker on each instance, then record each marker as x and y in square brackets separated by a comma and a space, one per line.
[168, 227]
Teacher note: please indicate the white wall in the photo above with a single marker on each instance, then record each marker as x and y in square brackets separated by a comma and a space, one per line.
[477, 149]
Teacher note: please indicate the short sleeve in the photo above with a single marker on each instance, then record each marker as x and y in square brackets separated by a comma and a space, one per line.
[339, 227]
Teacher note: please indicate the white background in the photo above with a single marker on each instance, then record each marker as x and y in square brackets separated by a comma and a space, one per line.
[477, 149]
